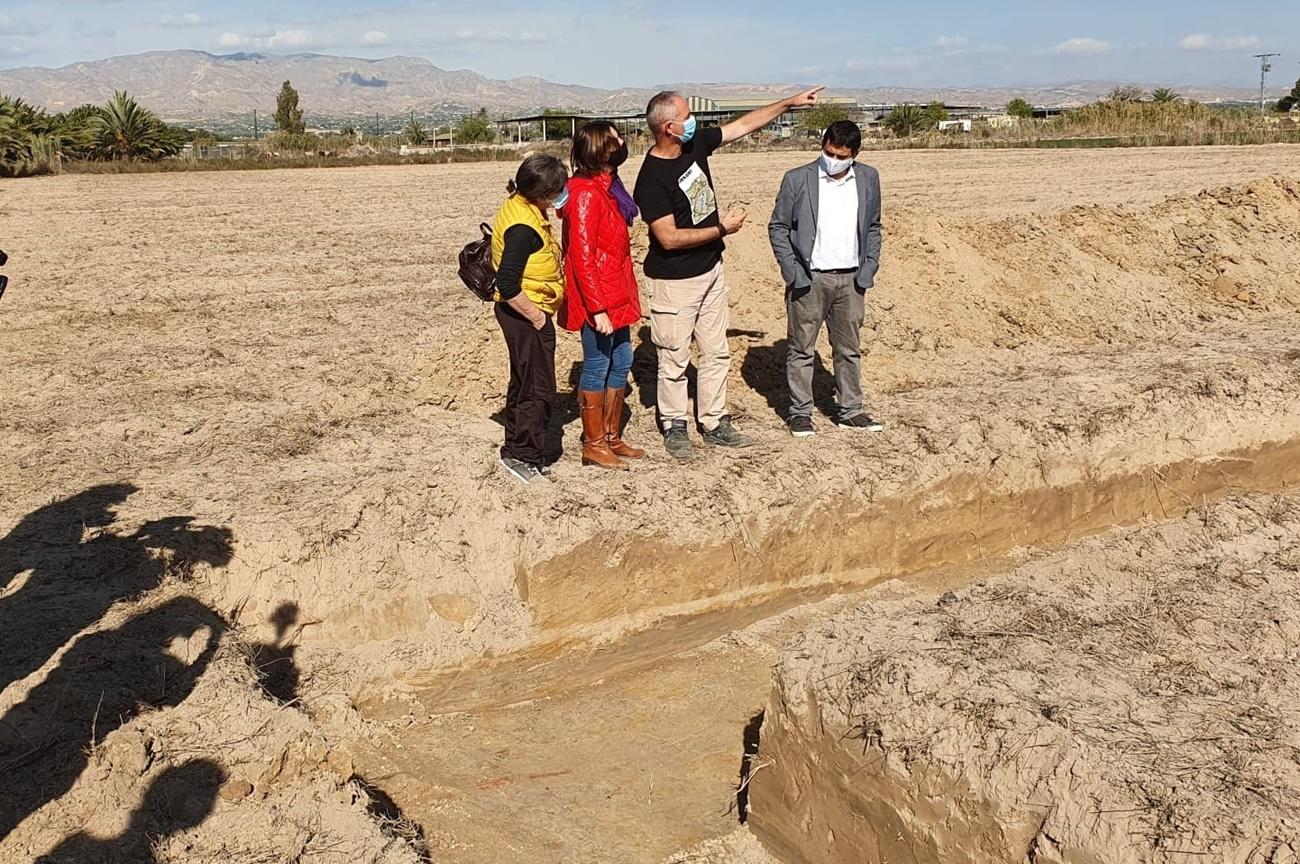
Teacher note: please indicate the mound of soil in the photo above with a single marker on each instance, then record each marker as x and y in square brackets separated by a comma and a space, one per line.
[1131, 699]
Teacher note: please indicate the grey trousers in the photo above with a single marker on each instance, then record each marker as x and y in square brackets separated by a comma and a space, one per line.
[833, 300]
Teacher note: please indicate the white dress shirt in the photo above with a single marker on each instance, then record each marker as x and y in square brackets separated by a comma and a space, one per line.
[836, 244]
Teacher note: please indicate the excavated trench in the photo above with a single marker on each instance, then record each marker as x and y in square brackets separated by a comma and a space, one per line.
[632, 748]
[698, 594]
[1130, 700]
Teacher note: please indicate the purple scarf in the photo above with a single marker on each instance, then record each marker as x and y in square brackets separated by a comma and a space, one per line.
[626, 205]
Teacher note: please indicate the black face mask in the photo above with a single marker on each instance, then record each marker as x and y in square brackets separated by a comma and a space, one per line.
[619, 157]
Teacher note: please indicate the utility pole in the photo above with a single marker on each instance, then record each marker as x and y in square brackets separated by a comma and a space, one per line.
[376, 125]
[1264, 67]
[254, 124]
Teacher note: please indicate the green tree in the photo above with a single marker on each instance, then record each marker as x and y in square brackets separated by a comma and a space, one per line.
[1126, 93]
[905, 120]
[288, 116]
[77, 131]
[935, 113]
[126, 130]
[415, 133]
[1165, 96]
[1291, 100]
[20, 125]
[819, 118]
[475, 129]
[1020, 109]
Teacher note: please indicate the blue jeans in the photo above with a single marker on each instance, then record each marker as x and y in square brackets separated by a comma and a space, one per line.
[606, 360]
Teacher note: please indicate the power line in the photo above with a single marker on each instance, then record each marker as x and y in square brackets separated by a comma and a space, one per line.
[1264, 67]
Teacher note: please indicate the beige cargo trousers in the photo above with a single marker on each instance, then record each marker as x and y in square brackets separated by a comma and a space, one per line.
[679, 310]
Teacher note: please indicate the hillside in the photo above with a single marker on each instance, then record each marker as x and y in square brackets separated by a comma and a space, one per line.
[197, 86]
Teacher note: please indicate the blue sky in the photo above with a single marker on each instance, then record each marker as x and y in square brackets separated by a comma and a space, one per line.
[646, 42]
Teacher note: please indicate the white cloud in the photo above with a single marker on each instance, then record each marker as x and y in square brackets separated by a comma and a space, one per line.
[1083, 47]
[1205, 42]
[278, 39]
[179, 22]
[288, 39]
[374, 37]
[951, 43]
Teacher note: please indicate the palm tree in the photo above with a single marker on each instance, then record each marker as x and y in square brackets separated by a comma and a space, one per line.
[29, 139]
[1164, 95]
[128, 131]
[415, 133]
[905, 120]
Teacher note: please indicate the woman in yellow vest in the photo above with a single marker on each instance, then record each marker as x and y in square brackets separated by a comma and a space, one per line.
[530, 286]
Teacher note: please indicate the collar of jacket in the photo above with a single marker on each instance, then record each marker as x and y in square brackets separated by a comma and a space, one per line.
[601, 181]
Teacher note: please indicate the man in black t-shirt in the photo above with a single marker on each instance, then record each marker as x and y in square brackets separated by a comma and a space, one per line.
[683, 269]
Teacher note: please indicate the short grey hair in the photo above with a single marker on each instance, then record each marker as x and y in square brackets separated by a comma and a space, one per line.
[659, 110]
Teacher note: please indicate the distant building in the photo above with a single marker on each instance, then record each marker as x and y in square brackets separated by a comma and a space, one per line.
[718, 111]
[999, 121]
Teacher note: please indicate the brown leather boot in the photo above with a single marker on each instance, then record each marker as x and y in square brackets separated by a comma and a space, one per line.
[595, 447]
[614, 424]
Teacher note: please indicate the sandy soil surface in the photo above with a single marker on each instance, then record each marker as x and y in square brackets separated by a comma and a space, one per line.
[265, 395]
[1131, 699]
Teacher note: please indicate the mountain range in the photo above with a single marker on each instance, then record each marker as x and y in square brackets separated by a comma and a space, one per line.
[195, 86]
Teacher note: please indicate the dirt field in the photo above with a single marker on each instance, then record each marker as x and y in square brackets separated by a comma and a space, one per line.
[264, 397]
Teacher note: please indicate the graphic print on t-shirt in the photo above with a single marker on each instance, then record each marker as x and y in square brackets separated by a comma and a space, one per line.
[695, 185]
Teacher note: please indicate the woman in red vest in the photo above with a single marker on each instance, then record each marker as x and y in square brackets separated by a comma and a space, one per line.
[603, 301]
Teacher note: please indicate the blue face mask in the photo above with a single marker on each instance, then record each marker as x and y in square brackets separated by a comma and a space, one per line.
[688, 130]
[557, 203]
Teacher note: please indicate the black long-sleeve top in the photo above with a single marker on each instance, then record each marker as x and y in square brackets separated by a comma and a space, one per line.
[521, 241]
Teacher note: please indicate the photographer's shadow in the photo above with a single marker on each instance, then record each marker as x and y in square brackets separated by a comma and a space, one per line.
[106, 679]
[178, 799]
[62, 567]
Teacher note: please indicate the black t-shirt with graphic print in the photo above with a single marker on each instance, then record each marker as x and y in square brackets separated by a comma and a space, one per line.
[682, 187]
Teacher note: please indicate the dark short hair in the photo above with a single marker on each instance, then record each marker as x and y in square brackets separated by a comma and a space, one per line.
[843, 133]
[593, 146]
[540, 177]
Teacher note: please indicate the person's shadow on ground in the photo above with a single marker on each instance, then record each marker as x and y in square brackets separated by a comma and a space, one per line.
[764, 372]
[61, 568]
[178, 799]
[103, 681]
[274, 662]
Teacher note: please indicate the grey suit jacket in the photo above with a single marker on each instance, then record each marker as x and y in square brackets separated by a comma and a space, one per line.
[793, 226]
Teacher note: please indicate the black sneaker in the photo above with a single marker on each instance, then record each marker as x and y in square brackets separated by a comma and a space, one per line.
[801, 426]
[524, 472]
[727, 435]
[860, 421]
[677, 441]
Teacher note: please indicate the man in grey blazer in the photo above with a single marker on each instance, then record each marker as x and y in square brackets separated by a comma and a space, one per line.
[825, 231]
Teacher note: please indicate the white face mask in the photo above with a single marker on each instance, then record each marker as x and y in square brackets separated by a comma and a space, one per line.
[835, 166]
